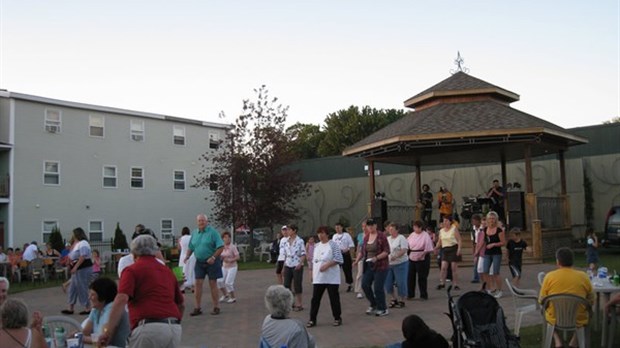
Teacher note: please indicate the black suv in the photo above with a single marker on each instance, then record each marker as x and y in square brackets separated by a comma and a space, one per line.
[612, 226]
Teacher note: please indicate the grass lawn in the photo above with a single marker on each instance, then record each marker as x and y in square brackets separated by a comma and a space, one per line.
[29, 285]
[531, 336]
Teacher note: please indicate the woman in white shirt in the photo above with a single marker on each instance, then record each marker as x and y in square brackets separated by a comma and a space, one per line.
[326, 275]
[188, 267]
[397, 273]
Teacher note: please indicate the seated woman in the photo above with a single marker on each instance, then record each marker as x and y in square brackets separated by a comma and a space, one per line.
[15, 331]
[278, 329]
[418, 334]
[101, 294]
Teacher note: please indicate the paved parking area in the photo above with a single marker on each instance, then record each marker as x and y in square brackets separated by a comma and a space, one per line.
[239, 324]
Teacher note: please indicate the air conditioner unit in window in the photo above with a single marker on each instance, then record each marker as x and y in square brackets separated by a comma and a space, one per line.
[137, 137]
[52, 128]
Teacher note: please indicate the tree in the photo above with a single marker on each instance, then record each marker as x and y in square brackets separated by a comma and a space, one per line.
[56, 239]
[613, 120]
[305, 139]
[120, 241]
[254, 185]
[346, 127]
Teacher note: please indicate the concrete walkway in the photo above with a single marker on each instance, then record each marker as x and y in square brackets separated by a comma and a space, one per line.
[239, 324]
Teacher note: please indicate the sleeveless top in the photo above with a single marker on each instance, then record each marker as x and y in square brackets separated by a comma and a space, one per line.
[493, 239]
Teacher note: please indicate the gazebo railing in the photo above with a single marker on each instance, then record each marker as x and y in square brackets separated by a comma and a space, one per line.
[550, 212]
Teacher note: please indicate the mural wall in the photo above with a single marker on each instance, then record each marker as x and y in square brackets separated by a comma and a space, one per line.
[348, 199]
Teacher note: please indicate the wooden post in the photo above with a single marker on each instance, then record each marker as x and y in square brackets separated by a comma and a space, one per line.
[371, 176]
[562, 173]
[537, 246]
[529, 184]
[417, 214]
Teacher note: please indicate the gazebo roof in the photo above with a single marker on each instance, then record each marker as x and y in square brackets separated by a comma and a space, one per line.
[463, 120]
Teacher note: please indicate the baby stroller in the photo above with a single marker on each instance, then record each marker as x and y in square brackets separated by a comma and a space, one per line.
[478, 321]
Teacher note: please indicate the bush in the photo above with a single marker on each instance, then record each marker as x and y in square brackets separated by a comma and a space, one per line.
[120, 241]
[56, 239]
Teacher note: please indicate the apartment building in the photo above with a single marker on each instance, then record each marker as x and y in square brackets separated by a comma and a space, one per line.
[66, 164]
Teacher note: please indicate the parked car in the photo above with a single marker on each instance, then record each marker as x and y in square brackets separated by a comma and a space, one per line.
[611, 235]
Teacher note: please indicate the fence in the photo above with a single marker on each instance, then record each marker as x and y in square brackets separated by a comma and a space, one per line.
[550, 212]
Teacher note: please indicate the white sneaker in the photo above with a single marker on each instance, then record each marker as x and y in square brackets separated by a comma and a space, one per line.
[231, 300]
[498, 294]
[370, 310]
[223, 298]
[359, 295]
[382, 313]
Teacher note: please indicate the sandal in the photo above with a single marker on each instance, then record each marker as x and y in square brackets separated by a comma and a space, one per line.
[298, 308]
[310, 324]
[337, 322]
[400, 304]
[215, 311]
[195, 312]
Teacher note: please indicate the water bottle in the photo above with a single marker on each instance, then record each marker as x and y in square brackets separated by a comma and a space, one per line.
[59, 335]
[616, 279]
[47, 335]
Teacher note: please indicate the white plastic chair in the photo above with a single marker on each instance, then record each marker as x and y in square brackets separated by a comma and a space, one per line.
[263, 249]
[541, 277]
[566, 307]
[525, 301]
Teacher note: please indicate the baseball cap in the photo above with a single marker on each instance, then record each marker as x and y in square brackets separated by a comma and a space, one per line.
[284, 228]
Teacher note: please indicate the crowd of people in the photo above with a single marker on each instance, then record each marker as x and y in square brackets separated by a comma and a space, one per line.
[146, 306]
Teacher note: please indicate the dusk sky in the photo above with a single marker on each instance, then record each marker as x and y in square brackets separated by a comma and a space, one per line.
[194, 59]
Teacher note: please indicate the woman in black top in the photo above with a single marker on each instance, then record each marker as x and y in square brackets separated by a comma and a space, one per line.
[495, 238]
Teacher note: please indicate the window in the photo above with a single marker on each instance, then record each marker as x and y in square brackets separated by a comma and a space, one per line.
[53, 120]
[48, 227]
[179, 180]
[212, 182]
[166, 229]
[178, 133]
[96, 125]
[51, 173]
[137, 130]
[95, 231]
[214, 141]
[109, 176]
[137, 177]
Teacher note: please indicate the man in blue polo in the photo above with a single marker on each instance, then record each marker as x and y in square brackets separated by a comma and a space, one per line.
[207, 245]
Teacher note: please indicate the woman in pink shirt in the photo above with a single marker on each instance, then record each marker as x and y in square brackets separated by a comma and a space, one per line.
[420, 248]
[229, 256]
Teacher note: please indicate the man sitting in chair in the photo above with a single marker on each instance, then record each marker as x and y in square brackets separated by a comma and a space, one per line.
[566, 280]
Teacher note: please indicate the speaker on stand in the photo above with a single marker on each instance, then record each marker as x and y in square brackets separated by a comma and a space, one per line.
[379, 212]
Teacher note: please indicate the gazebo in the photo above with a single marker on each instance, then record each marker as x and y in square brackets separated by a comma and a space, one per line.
[463, 119]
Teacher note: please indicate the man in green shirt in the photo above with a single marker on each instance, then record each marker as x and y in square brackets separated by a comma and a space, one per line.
[207, 245]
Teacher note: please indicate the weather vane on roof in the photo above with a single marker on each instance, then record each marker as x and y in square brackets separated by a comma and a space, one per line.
[460, 64]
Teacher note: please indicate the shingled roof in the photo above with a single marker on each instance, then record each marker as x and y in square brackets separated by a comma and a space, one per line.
[460, 84]
[466, 120]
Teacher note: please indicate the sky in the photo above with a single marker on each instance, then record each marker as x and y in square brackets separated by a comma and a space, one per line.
[196, 59]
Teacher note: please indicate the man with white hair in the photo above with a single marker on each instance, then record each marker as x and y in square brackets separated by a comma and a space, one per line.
[4, 289]
[155, 302]
[206, 244]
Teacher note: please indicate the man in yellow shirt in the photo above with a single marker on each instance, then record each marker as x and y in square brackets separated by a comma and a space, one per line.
[566, 280]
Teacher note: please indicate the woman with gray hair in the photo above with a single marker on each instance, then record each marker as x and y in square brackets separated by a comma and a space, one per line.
[15, 331]
[278, 329]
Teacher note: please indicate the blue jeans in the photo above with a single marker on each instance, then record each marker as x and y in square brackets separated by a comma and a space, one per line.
[373, 282]
[476, 275]
[397, 274]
